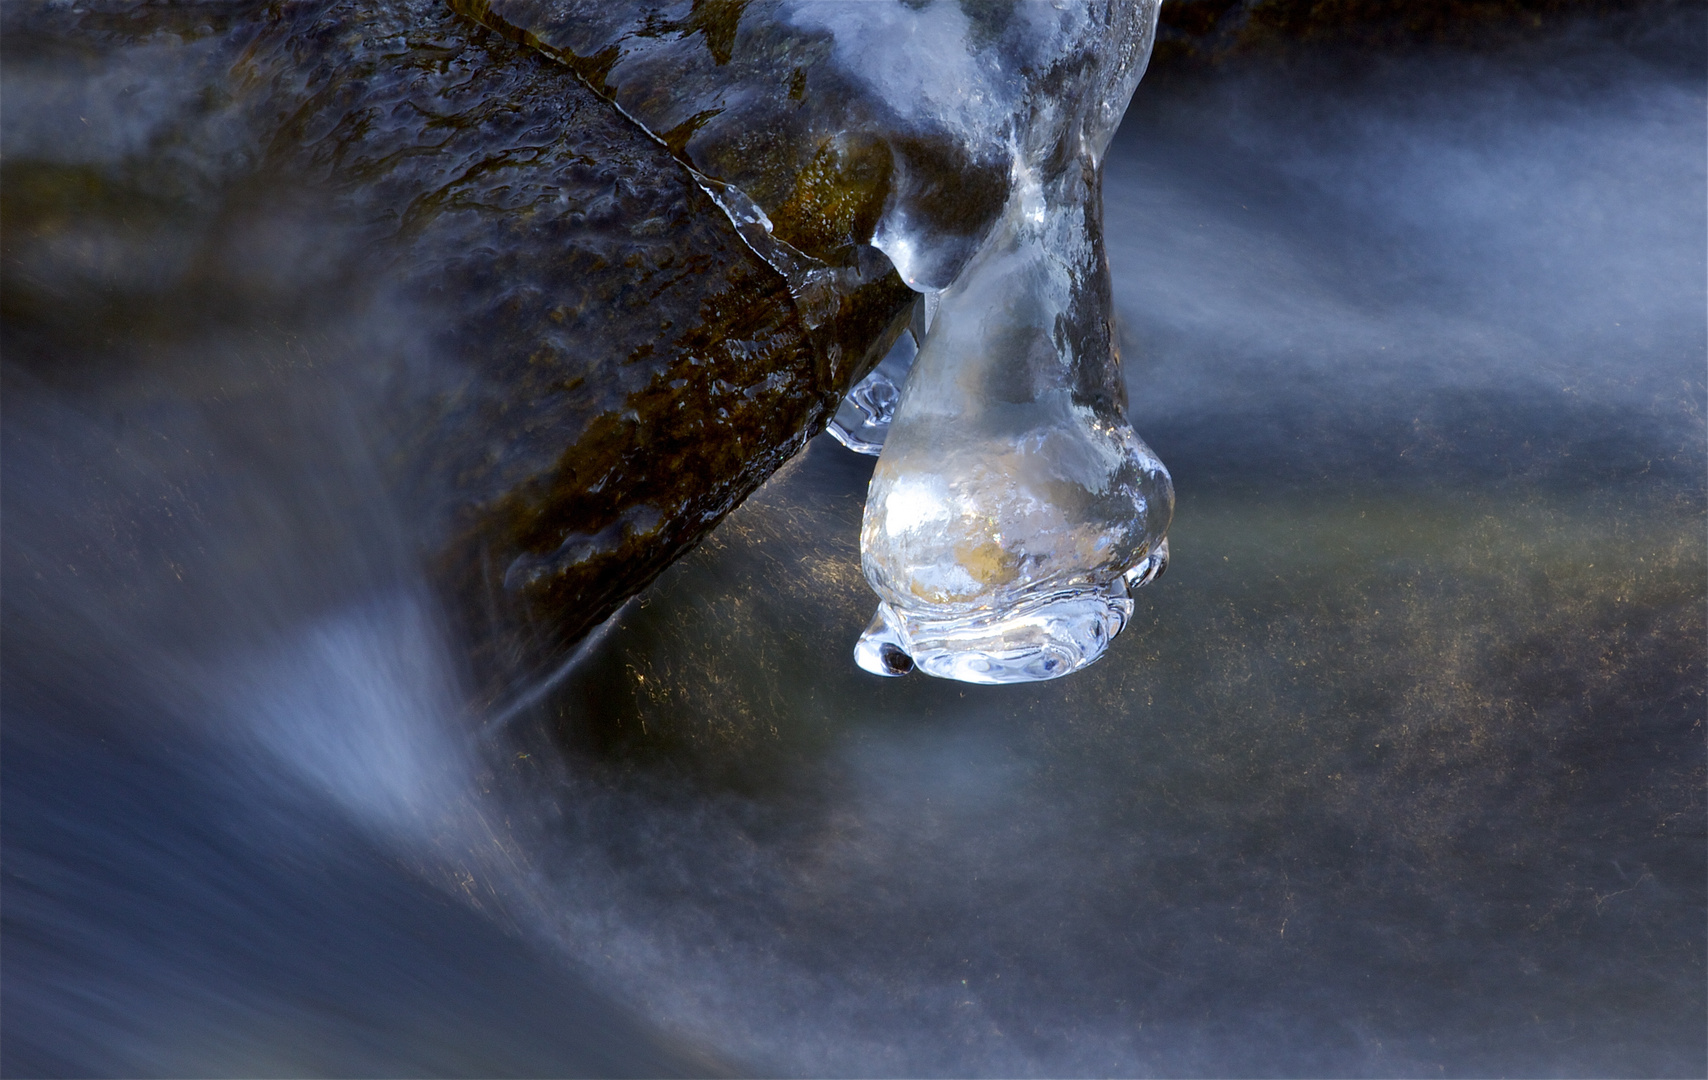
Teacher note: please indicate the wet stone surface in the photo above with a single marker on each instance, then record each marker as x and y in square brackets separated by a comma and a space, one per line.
[586, 366]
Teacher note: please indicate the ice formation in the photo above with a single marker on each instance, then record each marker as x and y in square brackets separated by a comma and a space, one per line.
[1012, 506]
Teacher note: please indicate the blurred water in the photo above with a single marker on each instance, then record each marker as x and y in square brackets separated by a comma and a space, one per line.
[1397, 771]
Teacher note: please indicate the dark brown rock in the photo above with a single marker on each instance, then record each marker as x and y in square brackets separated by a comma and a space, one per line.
[609, 368]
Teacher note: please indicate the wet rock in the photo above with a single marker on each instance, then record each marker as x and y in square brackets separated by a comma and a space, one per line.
[584, 365]
[782, 105]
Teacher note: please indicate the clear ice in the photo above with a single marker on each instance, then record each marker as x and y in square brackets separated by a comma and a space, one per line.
[863, 419]
[1012, 507]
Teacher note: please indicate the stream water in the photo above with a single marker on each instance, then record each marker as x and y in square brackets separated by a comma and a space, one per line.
[1398, 770]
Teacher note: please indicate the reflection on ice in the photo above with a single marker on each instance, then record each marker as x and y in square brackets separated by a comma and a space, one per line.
[863, 420]
[1149, 568]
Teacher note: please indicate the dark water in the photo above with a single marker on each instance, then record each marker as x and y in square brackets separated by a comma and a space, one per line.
[1398, 771]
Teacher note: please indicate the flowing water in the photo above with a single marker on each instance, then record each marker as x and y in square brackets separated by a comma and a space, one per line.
[1398, 770]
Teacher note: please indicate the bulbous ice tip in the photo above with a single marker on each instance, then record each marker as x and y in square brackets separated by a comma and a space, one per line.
[1045, 638]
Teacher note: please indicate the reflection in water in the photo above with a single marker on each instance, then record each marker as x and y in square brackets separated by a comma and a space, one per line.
[1398, 770]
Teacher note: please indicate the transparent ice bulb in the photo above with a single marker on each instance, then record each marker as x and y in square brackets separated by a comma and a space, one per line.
[1013, 506]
